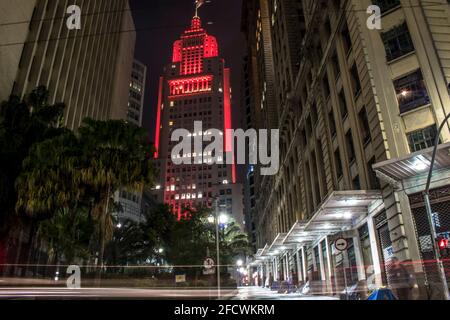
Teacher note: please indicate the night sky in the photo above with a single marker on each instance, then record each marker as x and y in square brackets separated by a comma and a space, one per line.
[160, 22]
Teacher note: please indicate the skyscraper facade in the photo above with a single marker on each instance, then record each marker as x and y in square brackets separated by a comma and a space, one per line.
[137, 93]
[87, 68]
[131, 200]
[196, 87]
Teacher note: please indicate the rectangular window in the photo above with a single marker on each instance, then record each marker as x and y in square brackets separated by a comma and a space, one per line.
[411, 92]
[356, 183]
[364, 126]
[373, 180]
[397, 42]
[337, 160]
[356, 83]
[346, 40]
[350, 146]
[422, 139]
[326, 86]
[332, 123]
[314, 115]
[343, 105]
[335, 63]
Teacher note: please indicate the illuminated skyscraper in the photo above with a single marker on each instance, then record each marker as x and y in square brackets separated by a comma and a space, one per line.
[196, 87]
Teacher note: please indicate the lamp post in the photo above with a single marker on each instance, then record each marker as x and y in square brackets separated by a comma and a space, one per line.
[426, 196]
[216, 222]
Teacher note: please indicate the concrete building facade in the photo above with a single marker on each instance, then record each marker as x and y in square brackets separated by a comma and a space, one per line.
[356, 130]
[88, 69]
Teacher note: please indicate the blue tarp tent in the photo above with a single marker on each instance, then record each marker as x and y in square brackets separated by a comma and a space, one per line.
[382, 294]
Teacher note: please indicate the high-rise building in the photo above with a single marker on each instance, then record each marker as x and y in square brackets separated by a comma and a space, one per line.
[131, 200]
[358, 111]
[137, 93]
[88, 68]
[196, 87]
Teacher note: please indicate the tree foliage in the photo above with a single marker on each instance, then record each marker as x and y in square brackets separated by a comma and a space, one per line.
[23, 124]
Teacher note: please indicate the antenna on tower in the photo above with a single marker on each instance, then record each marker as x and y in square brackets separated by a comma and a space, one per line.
[198, 4]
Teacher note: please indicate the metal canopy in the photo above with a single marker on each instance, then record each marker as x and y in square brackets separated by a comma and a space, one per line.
[341, 210]
[415, 163]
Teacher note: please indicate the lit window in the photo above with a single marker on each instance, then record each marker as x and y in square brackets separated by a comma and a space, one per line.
[411, 92]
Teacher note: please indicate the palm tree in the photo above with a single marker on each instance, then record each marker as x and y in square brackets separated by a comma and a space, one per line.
[67, 234]
[233, 242]
[85, 169]
[48, 181]
[115, 155]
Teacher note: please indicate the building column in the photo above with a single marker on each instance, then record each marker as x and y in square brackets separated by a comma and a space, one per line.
[305, 274]
[376, 280]
[359, 257]
[321, 264]
[286, 265]
[299, 267]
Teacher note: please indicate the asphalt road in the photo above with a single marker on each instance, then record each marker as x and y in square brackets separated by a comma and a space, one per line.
[245, 293]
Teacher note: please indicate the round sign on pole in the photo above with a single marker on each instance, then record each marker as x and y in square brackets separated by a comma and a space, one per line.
[208, 263]
[341, 244]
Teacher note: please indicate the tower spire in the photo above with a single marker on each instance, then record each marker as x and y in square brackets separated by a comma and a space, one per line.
[198, 4]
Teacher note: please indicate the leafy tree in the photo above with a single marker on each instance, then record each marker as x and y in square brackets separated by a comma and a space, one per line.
[137, 243]
[192, 238]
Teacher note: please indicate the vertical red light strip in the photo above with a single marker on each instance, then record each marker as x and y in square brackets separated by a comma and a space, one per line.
[158, 118]
[227, 118]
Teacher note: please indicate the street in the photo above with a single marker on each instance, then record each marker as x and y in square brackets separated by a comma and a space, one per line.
[243, 293]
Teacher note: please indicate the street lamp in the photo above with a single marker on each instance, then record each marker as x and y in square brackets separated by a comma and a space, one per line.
[219, 219]
[239, 263]
[426, 196]
[223, 219]
[216, 222]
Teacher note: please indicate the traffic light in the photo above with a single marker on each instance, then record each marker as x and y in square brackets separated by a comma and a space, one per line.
[443, 245]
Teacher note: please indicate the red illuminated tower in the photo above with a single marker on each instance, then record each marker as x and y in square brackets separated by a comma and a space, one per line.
[195, 87]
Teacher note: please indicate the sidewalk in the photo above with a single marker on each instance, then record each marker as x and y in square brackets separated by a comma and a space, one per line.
[258, 293]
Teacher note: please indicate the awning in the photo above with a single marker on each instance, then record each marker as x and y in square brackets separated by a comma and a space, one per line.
[342, 210]
[299, 236]
[415, 163]
[339, 212]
